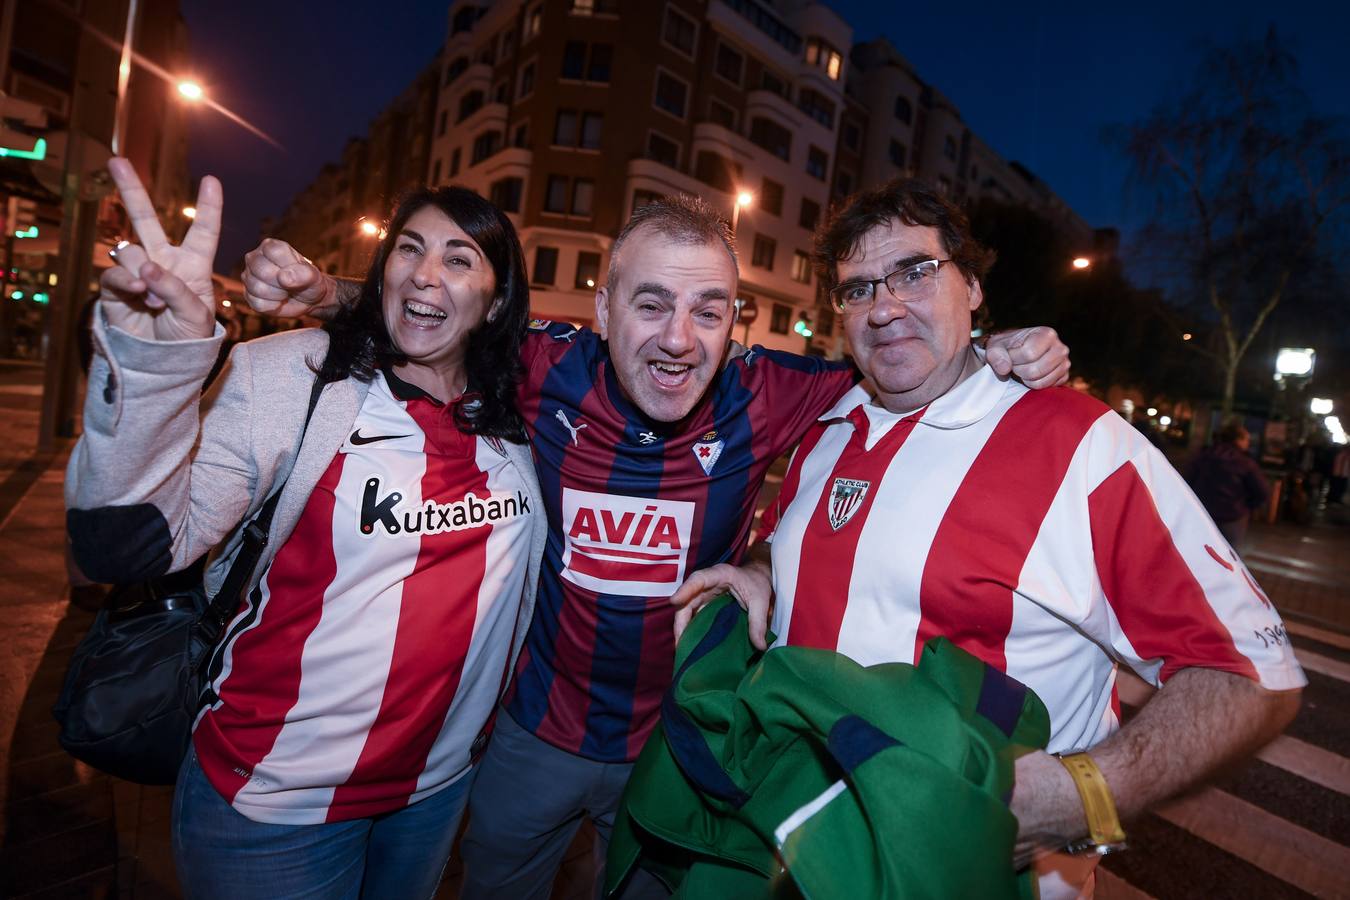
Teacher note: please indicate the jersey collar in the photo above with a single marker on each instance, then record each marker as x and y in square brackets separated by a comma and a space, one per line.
[967, 403]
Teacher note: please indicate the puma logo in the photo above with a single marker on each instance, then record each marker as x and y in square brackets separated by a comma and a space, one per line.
[573, 429]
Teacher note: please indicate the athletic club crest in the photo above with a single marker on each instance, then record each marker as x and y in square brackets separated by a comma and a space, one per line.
[846, 496]
[706, 450]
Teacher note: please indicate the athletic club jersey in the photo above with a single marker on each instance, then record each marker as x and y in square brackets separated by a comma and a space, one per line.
[1035, 529]
[368, 659]
[634, 506]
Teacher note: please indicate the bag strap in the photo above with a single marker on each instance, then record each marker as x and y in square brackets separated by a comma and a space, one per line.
[221, 608]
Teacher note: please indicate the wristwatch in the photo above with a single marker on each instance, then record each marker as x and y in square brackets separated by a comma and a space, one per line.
[1104, 832]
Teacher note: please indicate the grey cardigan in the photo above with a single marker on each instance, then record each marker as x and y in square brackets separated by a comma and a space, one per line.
[149, 490]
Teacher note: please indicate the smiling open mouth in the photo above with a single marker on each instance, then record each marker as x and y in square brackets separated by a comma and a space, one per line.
[422, 315]
[670, 374]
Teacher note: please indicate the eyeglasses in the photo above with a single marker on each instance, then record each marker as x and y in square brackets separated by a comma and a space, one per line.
[908, 285]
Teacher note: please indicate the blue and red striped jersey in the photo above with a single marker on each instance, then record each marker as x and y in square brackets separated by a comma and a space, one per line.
[633, 507]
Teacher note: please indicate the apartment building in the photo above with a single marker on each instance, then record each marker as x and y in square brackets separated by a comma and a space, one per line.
[570, 113]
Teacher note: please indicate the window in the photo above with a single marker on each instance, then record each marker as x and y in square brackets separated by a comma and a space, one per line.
[488, 55]
[534, 20]
[762, 255]
[810, 214]
[464, 19]
[843, 182]
[545, 265]
[730, 64]
[817, 161]
[663, 150]
[949, 147]
[679, 31]
[771, 136]
[506, 193]
[454, 163]
[586, 62]
[469, 104]
[771, 197]
[588, 270]
[486, 144]
[565, 128]
[507, 43]
[714, 170]
[643, 198]
[817, 106]
[850, 135]
[522, 136]
[526, 81]
[573, 129]
[502, 92]
[583, 196]
[780, 318]
[944, 185]
[555, 197]
[974, 174]
[591, 124]
[602, 55]
[824, 320]
[455, 68]
[436, 173]
[773, 84]
[903, 111]
[594, 7]
[823, 56]
[897, 154]
[671, 94]
[574, 60]
[801, 267]
[441, 122]
[720, 113]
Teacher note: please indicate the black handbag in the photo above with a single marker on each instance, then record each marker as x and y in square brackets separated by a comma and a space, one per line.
[135, 682]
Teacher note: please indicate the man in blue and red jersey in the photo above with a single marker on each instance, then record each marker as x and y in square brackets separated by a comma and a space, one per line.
[652, 439]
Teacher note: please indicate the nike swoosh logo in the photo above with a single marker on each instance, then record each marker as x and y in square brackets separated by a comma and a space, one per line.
[358, 439]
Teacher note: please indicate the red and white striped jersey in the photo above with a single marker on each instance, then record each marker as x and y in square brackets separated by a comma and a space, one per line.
[361, 670]
[1036, 529]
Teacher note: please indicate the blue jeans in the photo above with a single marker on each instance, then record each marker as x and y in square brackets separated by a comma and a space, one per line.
[220, 853]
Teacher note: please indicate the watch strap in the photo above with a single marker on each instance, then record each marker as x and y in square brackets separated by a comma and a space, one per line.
[1104, 832]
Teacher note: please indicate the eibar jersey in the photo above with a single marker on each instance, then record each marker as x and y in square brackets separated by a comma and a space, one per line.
[1037, 530]
[357, 676]
[634, 506]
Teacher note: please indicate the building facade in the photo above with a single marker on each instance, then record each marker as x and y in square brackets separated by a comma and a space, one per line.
[570, 113]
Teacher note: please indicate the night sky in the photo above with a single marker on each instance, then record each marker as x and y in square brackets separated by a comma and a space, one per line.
[1039, 82]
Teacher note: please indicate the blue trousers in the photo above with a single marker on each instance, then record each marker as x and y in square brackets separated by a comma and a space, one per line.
[220, 853]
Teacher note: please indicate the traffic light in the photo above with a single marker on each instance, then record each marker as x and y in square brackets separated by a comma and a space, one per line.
[22, 217]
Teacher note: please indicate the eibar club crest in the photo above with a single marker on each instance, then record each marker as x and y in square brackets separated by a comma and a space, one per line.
[706, 450]
[846, 496]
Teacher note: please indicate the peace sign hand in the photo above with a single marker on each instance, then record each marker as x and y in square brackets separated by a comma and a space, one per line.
[158, 291]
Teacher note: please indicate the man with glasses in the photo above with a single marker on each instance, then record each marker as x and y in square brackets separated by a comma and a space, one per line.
[1035, 529]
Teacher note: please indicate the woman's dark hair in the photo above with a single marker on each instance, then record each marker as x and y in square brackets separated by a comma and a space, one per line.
[359, 342]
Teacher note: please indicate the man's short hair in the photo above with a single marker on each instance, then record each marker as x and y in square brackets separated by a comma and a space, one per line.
[683, 219]
[1232, 431]
[912, 202]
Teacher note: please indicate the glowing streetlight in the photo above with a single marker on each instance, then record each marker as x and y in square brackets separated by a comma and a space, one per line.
[1152, 411]
[1082, 262]
[743, 199]
[1164, 421]
[190, 212]
[1320, 406]
[1297, 361]
[369, 228]
[1187, 336]
[191, 90]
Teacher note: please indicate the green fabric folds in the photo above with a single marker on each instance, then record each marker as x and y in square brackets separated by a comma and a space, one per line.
[798, 772]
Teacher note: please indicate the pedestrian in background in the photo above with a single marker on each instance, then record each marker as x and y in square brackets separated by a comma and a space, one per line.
[1229, 482]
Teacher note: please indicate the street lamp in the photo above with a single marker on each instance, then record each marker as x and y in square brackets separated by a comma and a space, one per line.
[1082, 262]
[743, 198]
[1295, 361]
[191, 90]
[190, 212]
[1320, 406]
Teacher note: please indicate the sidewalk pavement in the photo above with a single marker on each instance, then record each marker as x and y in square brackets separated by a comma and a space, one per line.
[69, 831]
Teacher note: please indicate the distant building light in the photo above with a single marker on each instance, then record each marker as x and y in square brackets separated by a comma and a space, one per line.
[590, 282]
[190, 212]
[1082, 262]
[17, 295]
[40, 297]
[1187, 336]
[226, 303]
[1320, 406]
[1165, 421]
[370, 228]
[1152, 411]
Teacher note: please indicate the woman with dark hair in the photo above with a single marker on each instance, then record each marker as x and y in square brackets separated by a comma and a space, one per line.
[354, 688]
